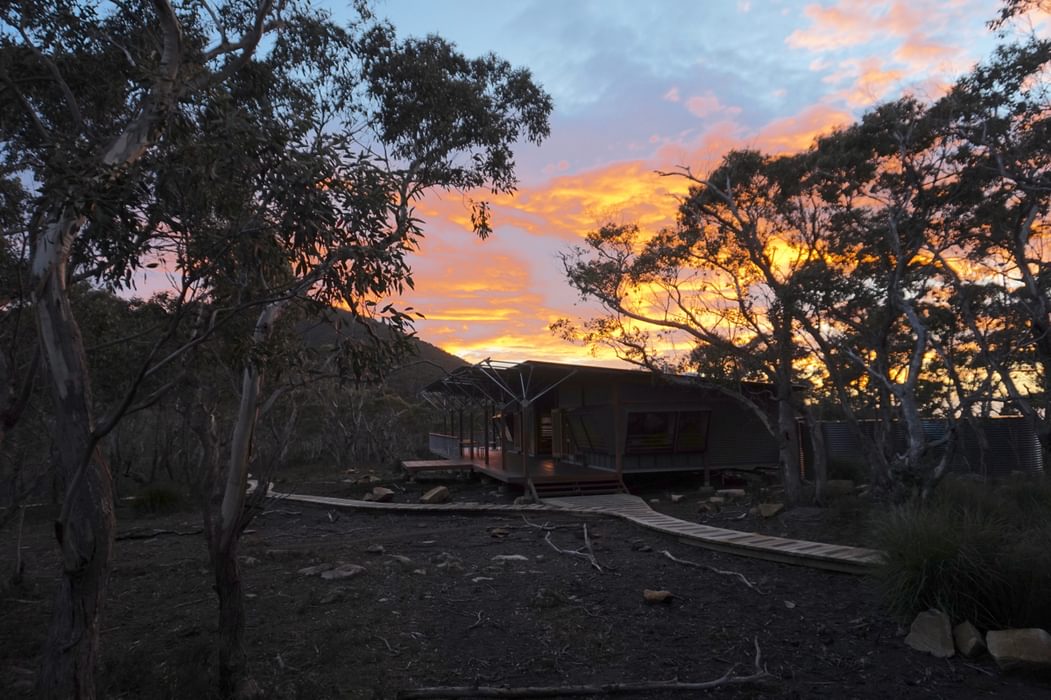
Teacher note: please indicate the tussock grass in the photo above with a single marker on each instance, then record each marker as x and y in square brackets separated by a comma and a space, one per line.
[979, 552]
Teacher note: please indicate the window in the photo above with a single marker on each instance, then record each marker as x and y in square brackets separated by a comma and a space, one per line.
[650, 431]
[691, 434]
[666, 431]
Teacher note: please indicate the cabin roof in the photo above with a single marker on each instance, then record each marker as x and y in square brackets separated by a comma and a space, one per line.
[504, 382]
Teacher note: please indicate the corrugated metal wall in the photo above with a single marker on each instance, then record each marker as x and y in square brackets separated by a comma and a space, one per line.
[736, 437]
[1012, 445]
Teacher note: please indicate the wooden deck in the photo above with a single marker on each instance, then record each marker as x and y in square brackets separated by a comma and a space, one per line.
[542, 473]
[851, 560]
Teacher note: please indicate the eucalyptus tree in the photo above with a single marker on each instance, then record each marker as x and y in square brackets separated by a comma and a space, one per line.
[999, 118]
[285, 192]
[722, 282]
[877, 308]
[88, 89]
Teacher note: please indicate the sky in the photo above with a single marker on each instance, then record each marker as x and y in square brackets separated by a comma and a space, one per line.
[642, 87]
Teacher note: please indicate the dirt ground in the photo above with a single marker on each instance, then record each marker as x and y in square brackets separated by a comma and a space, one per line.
[457, 600]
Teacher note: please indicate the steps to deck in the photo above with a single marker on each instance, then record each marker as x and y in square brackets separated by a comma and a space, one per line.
[556, 488]
[851, 560]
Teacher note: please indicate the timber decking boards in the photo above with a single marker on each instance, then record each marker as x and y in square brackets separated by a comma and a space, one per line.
[419, 465]
[852, 560]
[816, 554]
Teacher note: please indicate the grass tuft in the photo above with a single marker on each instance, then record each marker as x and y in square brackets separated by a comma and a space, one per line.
[978, 552]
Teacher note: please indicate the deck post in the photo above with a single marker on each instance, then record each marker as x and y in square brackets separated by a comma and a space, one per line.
[459, 434]
[488, 418]
[470, 424]
[618, 428]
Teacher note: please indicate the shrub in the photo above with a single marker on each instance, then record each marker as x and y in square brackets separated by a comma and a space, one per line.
[978, 552]
[158, 500]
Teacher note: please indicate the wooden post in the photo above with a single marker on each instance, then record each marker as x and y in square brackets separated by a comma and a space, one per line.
[459, 435]
[618, 429]
[487, 416]
[470, 427]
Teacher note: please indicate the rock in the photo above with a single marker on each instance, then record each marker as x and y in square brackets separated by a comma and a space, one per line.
[375, 549]
[499, 532]
[676, 497]
[706, 491]
[656, 596]
[524, 501]
[640, 546]
[369, 496]
[479, 579]
[732, 493]
[400, 559]
[420, 572]
[508, 558]
[1020, 649]
[717, 500]
[439, 494]
[342, 572]
[249, 561]
[931, 632]
[655, 500]
[334, 596]
[381, 494]
[315, 570]
[705, 507]
[835, 488]
[769, 510]
[968, 639]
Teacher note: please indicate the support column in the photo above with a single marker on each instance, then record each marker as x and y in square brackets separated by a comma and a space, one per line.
[487, 416]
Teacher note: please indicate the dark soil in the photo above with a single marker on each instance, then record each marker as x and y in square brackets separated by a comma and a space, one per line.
[434, 608]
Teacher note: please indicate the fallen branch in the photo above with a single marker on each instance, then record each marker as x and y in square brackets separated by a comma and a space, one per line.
[281, 511]
[758, 675]
[589, 555]
[723, 572]
[148, 535]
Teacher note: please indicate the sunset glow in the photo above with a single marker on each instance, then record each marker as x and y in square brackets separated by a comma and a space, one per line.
[636, 93]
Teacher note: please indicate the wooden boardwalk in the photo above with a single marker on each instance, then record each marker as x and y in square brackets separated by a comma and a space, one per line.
[852, 560]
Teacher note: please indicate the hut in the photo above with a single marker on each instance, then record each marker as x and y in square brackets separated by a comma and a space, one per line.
[560, 429]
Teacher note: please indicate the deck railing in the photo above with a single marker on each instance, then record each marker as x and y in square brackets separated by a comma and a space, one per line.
[447, 446]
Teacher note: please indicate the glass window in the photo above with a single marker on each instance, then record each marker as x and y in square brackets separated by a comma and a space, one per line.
[650, 431]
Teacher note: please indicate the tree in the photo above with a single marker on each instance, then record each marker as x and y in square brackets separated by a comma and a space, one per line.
[88, 89]
[723, 279]
[997, 117]
[291, 191]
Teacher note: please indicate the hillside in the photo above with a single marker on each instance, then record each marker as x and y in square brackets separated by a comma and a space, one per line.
[428, 364]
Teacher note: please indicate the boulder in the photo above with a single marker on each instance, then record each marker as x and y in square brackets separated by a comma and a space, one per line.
[656, 596]
[1020, 649]
[731, 493]
[931, 632]
[342, 572]
[676, 497]
[769, 510]
[375, 549]
[968, 639]
[439, 494]
[381, 494]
